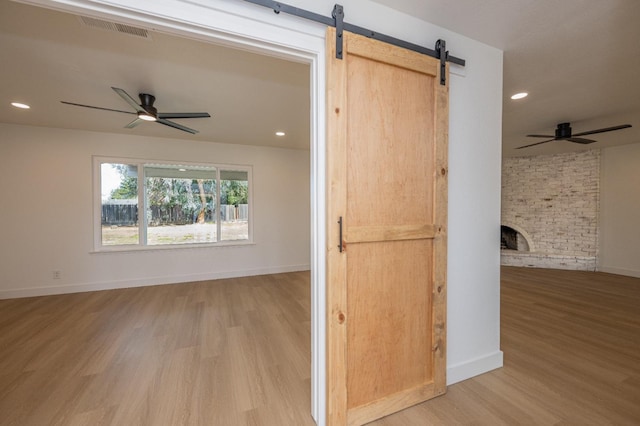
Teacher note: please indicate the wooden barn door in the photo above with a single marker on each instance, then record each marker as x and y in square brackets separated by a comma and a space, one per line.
[387, 186]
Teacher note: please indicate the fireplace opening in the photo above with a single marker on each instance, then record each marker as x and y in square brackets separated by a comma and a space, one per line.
[512, 239]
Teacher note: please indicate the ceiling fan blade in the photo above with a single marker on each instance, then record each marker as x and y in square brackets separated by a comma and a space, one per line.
[95, 107]
[134, 123]
[124, 95]
[183, 115]
[580, 140]
[606, 129]
[534, 144]
[540, 136]
[176, 126]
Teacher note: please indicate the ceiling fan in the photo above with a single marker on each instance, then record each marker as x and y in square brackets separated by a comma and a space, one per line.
[147, 112]
[563, 133]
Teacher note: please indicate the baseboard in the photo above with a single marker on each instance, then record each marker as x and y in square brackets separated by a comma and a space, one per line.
[620, 271]
[466, 370]
[173, 279]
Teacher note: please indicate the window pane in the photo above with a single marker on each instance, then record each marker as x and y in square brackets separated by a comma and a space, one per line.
[181, 204]
[119, 194]
[234, 205]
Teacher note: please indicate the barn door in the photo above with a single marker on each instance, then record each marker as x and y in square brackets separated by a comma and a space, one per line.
[387, 213]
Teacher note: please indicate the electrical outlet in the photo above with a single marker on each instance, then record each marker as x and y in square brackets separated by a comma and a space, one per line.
[57, 275]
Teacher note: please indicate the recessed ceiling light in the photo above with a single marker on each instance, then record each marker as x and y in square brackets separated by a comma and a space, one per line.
[280, 133]
[520, 95]
[20, 105]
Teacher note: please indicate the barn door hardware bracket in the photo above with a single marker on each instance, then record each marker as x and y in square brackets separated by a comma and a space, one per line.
[338, 16]
[337, 19]
[443, 55]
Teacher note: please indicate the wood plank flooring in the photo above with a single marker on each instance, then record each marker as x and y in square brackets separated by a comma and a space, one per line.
[571, 343]
[226, 352]
[237, 352]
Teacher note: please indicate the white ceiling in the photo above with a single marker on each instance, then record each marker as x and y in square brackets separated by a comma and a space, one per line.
[49, 56]
[578, 59]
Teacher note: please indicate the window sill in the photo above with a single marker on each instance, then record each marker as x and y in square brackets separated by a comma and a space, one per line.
[173, 247]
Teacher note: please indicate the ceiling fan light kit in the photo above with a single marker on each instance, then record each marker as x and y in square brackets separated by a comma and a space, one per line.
[520, 95]
[146, 116]
[145, 111]
[563, 133]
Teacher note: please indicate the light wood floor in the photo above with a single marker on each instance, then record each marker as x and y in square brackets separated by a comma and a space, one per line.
[226, 352]
[236, 352]
[571, 343]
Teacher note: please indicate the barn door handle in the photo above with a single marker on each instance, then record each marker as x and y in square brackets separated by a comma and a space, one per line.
[340, 246]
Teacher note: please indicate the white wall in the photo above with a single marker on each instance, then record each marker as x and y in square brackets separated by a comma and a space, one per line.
[475, 156]
[620, 210]
[46, 215]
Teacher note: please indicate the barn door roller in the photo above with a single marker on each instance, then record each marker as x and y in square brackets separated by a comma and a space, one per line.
[443, 55]
[337, 20]
[338, 17]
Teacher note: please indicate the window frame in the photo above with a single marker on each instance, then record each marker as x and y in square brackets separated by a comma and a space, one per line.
[142, 244]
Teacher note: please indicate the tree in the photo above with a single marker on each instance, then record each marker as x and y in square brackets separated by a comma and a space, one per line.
[128, 188]
[203, 201]
[234, 192]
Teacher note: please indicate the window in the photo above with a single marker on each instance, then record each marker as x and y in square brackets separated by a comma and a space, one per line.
[234, 209]
[119, 183]
[158, 204]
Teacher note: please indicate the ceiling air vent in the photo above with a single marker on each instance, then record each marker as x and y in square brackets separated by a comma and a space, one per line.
[113, 26]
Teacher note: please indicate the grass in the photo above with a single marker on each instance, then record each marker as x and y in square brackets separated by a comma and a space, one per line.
[176, 234]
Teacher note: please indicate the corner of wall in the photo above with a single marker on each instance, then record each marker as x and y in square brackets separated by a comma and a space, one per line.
[475, 367]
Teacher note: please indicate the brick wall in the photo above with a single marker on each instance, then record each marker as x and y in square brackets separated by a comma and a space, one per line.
[555, 198]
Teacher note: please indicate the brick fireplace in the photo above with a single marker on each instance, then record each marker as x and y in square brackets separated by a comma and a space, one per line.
[552, 204]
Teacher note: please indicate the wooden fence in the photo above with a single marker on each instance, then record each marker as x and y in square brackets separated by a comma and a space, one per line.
[119, 214]
[231, 212]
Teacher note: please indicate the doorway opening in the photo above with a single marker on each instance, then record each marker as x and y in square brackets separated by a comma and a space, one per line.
[298, 44]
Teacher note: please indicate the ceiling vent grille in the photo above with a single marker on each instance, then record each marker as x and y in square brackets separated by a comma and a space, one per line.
[113, 26]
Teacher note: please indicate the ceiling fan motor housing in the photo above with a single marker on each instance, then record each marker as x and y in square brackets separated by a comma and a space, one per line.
[146, 102]
[563, 131]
